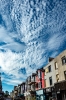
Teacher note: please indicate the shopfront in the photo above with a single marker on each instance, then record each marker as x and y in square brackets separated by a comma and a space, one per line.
[50, 93]
[60, 89]
[30, 95]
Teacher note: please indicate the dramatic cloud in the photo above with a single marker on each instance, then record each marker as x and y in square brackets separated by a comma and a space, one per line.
[30, 32]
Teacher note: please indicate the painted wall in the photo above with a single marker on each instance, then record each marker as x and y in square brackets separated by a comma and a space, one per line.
[61, 67]
[50, 74]
[41, 79]
[54, 72]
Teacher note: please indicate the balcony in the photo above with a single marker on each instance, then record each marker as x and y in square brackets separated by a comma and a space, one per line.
[29, 88]
[32, 88]
[32, 81]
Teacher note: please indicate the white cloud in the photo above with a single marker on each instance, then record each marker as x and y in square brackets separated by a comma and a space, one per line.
[55, 41]
[12, 82]
[11, 62]
[14, 47]
[4, 35]
[8, 38]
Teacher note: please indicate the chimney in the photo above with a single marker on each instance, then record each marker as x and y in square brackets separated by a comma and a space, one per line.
[50, 59]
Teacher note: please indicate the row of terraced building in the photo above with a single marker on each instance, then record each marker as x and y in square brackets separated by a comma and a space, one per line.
[48, 83]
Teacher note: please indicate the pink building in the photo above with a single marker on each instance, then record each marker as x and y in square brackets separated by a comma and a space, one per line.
[40, 82]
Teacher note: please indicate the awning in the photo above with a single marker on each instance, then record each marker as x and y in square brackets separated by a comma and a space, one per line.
[60, 85]
[21, 95]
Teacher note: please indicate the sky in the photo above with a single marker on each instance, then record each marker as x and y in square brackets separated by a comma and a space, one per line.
[31, 31]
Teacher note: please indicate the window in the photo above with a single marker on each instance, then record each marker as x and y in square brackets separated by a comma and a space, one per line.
[50, 80]
[57, 77]
[39, 85]
[65, 74]
[36, 85]
[45, 82]
[46, 70]
[63, 60]
[39, 74]
[49, 68]
[56, 65]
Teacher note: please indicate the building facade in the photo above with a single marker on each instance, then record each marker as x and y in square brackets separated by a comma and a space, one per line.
[48, 83]
[55, 75]
[30, 88]
[40, 82]
[50, 74]
[60, 85]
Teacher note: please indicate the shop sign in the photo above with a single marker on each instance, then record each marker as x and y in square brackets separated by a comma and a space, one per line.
[39, 92]
[58, 92]
[48, 90]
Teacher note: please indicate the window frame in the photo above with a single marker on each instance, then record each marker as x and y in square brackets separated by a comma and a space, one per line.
[65, 74]
[57, 77]
[49, 68]
[63, 60]
[56, 65]
[40, 85]
[39, 74]
[50, 81]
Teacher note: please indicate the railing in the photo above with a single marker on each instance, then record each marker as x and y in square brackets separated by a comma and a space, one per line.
[32, 87]
[29, 87]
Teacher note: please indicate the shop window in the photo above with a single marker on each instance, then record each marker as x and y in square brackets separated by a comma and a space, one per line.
[49, 68]
[56, 65]
[50, 80]
[63, 60]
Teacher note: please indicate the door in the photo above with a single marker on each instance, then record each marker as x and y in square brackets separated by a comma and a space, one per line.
[41, 97]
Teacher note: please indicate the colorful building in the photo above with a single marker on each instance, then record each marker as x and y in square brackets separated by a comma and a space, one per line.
[40, 84]
[30, 88]
[48, 83]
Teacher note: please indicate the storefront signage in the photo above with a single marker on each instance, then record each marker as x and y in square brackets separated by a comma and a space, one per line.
[61, 86]
[39, 92]
[58, 92]
[48, 90]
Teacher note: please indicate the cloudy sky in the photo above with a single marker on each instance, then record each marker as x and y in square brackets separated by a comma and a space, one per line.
[30, 32]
